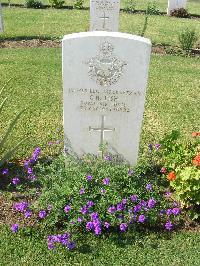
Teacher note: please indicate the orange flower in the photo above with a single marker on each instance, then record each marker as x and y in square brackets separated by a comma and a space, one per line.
[195, 134]
[171, 176]
[196, 160]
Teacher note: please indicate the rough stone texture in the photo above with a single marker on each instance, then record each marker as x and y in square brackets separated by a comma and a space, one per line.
[104, 80]
[175, 4]
[104, 15]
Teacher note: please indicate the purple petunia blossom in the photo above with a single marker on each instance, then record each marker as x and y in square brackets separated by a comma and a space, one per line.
[94, 216]
[89, 226]
[20, 206]
[176, 211]
[90, 203]
[14, 228]
[107, 158]
[50, 245]
[89, 177]
[141, 218]
[107, 225]
[157, 146]
[30, 171]
[169, 212]
[26, 164]
[42, 214]
[79, 219]
[120, 207]
[67, 208]
[82, 191]
[143, 203]
[106, 181]
[168, 225]
[162, 212]
[15, 181]
[151, 203]
[130, 172]
[32, 177]
[133, 198]
[149, 187]
[123, 227]
[102, 190]
[112, 209]
[137, 208]
[28, 214]
[5, 171]
[150, 146]
[97, 230]
[71, 245]
[168, 194]
[84, 210]
[124, 201]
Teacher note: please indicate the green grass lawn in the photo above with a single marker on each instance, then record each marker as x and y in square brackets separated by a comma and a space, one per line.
[50, 23]
[183, 249]
[172, 97]
[192, 5]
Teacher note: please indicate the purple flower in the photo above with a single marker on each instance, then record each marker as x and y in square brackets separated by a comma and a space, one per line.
[168, 194]
[123, 227]
[141, 218]
[79, 219]
[107, 225]
[82, 191]
[26, 164]
[157, 146]
[71, 245]
[50, 245]
[168, 225]
[169, 212]
[84, 210]
[102, 190]
[149, 187]
[112, 209]
[42, 214]
[89, 177]
[28, 214]
[89, 226]
[30, 171]
[94, 216]
[20, 206]
[162, 212]
[5, 171]
[97, 230]
[176, 211]
[137, 208]
[67, 208]
[150, 146]
[107, 158]
[151, 203]
[50, 143]
[32, 177]
[175, 203]
[120, 207]
[49, 207]
[130, 172]
[15, 181]
[133, 198]
[14, 228]
[124, 201]
[90, 203]
[106, 181]
[143, 203]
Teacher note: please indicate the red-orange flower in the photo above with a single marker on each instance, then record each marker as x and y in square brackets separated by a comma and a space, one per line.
[195, 134]
[196, 160]
[171, 176]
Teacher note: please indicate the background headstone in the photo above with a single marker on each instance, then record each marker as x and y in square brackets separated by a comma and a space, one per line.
[104, 15]
[175, 4]
[104, 88]
[1, 19]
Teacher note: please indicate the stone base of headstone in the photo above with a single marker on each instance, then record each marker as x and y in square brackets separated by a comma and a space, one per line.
[175, 4]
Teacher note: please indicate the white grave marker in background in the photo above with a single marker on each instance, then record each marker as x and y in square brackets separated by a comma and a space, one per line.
[104, 15]
[1, 19]
[104, 83]
[175, 4]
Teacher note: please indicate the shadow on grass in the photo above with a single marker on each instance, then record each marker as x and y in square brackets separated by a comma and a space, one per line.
[28, 38]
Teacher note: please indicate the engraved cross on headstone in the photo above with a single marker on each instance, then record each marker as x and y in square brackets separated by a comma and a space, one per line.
[104, 20]
[102, 129]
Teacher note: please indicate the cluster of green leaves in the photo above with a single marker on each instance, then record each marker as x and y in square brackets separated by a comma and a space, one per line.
[78, 4]
[152, 9]
[187, 39]
[57, 3]
[178, 156]
[62, 180]
[33, 4]
[130, 6]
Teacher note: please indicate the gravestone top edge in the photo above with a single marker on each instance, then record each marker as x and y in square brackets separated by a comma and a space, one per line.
[107, 34]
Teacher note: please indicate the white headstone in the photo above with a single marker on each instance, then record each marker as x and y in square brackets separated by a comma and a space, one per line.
[175, 4]
[104, 15]
[1, 19]
[104, 83]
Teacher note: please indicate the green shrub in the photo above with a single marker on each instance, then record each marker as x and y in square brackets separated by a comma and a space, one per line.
[4, 153]
[152, 9]
[78, 4]
[57, 3]
[33, 4]
[130, 6]
[187, 39]
[180, 13]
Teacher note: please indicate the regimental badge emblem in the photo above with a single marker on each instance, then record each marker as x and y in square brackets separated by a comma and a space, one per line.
[106, 69]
